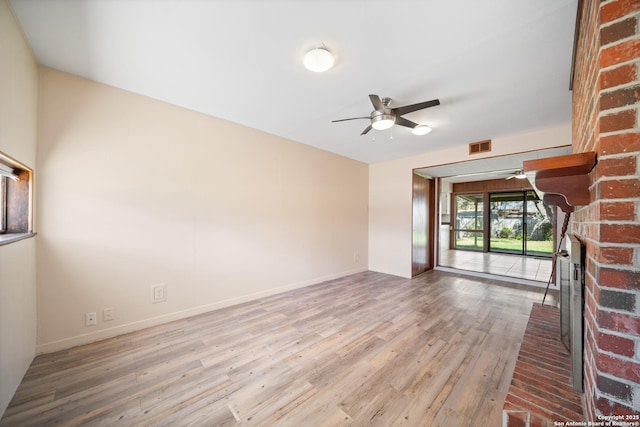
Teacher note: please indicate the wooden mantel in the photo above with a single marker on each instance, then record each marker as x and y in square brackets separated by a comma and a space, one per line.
[562, 181]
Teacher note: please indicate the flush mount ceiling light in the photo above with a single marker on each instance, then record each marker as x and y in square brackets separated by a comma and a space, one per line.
[421, 130]
[318, 59]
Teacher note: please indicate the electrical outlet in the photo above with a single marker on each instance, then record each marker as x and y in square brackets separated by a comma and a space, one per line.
[90, 319]
[158, 293]
[107, 314]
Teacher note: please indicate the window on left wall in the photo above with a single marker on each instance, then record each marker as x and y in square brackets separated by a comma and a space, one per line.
[3, 204]
[16, 200]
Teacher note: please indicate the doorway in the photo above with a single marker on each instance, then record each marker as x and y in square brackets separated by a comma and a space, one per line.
[520, 224]
[464, 245]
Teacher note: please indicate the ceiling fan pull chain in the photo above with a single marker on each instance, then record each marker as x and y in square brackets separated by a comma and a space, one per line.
[391, 133]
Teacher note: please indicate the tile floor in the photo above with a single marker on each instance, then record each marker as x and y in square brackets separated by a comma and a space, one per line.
[529, 268]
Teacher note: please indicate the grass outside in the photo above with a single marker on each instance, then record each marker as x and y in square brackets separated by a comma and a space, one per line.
[543, 247]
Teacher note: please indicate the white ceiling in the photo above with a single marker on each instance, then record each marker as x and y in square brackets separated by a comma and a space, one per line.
[499, 67]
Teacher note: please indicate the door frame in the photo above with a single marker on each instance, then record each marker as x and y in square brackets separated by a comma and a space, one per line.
[523, 221]
[423, 217]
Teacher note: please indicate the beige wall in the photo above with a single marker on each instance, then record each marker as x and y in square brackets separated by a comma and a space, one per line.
[18, 113]
[390, 193]
[135, 192]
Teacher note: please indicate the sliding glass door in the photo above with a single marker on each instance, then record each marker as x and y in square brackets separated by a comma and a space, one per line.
[507, 214]
[539, 226]
[520, 224]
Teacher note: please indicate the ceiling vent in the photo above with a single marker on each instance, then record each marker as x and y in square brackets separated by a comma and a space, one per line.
[480, 147]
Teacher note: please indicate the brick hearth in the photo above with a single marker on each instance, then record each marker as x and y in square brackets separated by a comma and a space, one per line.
[541, 392]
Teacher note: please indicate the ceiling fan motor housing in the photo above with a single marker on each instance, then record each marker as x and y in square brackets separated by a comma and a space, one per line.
[381, 120]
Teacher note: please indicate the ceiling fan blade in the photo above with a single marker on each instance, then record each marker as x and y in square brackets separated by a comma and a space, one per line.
[498, 172]
[352, 118]
[366, 130]
[377, 102]
[399, 111]
[404, 122]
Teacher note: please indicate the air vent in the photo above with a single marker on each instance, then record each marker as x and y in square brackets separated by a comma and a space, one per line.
[480, 147]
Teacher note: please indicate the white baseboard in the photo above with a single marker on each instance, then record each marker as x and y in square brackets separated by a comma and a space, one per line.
[183, 314]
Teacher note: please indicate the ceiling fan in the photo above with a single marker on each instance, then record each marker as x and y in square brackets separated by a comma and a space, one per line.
[517, 174]
[383, 116]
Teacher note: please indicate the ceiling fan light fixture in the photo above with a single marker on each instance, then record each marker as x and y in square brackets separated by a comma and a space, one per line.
[318, 59]
[421, 130]
[382, 121]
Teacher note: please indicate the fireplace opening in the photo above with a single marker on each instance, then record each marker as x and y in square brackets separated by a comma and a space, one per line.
[571, 265]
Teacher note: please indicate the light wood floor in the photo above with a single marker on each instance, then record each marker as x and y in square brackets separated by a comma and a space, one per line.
[368, 349]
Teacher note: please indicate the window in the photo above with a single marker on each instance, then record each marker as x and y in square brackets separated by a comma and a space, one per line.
[3, 204]
[468, 228]
[16, 184]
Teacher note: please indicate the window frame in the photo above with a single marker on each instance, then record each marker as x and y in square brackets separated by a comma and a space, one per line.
[456, 230]
[3, 204]
[17, 201]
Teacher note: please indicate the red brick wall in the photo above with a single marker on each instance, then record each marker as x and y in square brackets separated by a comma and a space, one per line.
[606, 104]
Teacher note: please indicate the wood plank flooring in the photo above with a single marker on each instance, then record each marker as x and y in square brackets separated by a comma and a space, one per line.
[367, 349]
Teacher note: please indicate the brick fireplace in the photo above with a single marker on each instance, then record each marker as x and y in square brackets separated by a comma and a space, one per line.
[606, 101]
